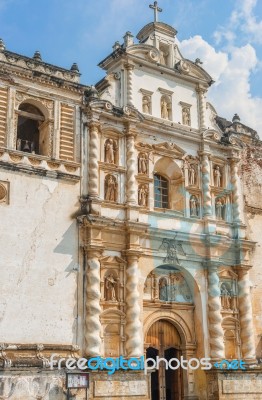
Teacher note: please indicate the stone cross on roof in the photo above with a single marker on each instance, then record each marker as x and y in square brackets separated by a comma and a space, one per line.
[156, 10]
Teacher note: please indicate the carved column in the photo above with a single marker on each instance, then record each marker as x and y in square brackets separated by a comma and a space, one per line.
[129, 85]
[245, 316]
[93, 309]
[216, 333]
[207, 205]
[235, 193]
[131, 169]
[134, 343]
[93, 159]
[202, 107]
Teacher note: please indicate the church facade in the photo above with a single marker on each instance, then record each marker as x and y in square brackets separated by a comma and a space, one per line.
[138, 211]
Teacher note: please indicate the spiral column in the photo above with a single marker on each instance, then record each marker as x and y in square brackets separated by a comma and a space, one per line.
[93, 159]
[133, 330]
[245, 316]
[93, 310]
[207, 204]
[216, 333]
[202, 114]
[131, 170]
[129, 82]
[235, 193]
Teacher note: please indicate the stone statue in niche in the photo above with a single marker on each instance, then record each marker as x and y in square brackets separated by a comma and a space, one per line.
[193, 206]
[165, 108]
[143, 163]
[110, 151]
[110, 288]
[225, 297]
[146, 104]
[110, 188]
[163, 290]
[163, 56]
[186, 116]
[192, 174]
[142, 195]
[217, 176]
[219, 208]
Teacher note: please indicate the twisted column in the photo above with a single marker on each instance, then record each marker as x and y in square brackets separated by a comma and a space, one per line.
[133, 324]
[216, 333]
[93, 309]
[207, 205]
[245, 316]
[129, 88]
[202, 113]
[93, 159]
[131, 170]
[235, 193]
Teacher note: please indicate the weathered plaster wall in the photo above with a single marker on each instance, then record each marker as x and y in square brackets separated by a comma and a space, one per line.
[39, 250]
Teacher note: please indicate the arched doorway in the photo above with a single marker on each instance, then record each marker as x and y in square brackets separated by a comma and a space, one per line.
[163, 340]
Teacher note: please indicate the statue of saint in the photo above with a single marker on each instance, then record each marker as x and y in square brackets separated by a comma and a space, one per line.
[186, 116]
[163, 57]
[146, 104]
[111, 186]
[109, 151]
[217, 176]
[164, 108]
[219, 209]
[192, 175]
[225, 297]
[111, 288]
[142, 196]
[193, 206]
[142, 163]
[163, 294]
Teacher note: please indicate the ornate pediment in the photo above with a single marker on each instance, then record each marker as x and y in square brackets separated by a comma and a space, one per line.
[143, 146]
[112, 260]
[227, 274]
[169, 149]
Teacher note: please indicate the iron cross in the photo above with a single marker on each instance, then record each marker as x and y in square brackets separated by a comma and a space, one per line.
[156, 10]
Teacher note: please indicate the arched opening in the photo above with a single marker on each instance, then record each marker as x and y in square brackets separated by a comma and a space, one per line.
[168, 185]
[32, 130]
[163, 341]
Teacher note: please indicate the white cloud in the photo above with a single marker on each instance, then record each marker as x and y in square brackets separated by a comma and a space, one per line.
[242, 19]
[232, 71]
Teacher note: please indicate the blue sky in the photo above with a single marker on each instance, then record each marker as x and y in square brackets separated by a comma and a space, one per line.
[225, 34]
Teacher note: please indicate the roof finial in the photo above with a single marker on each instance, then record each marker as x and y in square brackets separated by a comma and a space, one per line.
[156, 10]
[2, 45]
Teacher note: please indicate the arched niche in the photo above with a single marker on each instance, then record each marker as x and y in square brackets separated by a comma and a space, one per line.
[170, 170]
[33, 128]
[195, 314]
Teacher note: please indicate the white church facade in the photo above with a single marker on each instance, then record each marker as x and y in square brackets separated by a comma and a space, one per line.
[130, 217]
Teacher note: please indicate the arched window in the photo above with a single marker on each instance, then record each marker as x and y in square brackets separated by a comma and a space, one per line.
[160, 191]
[30, 119]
